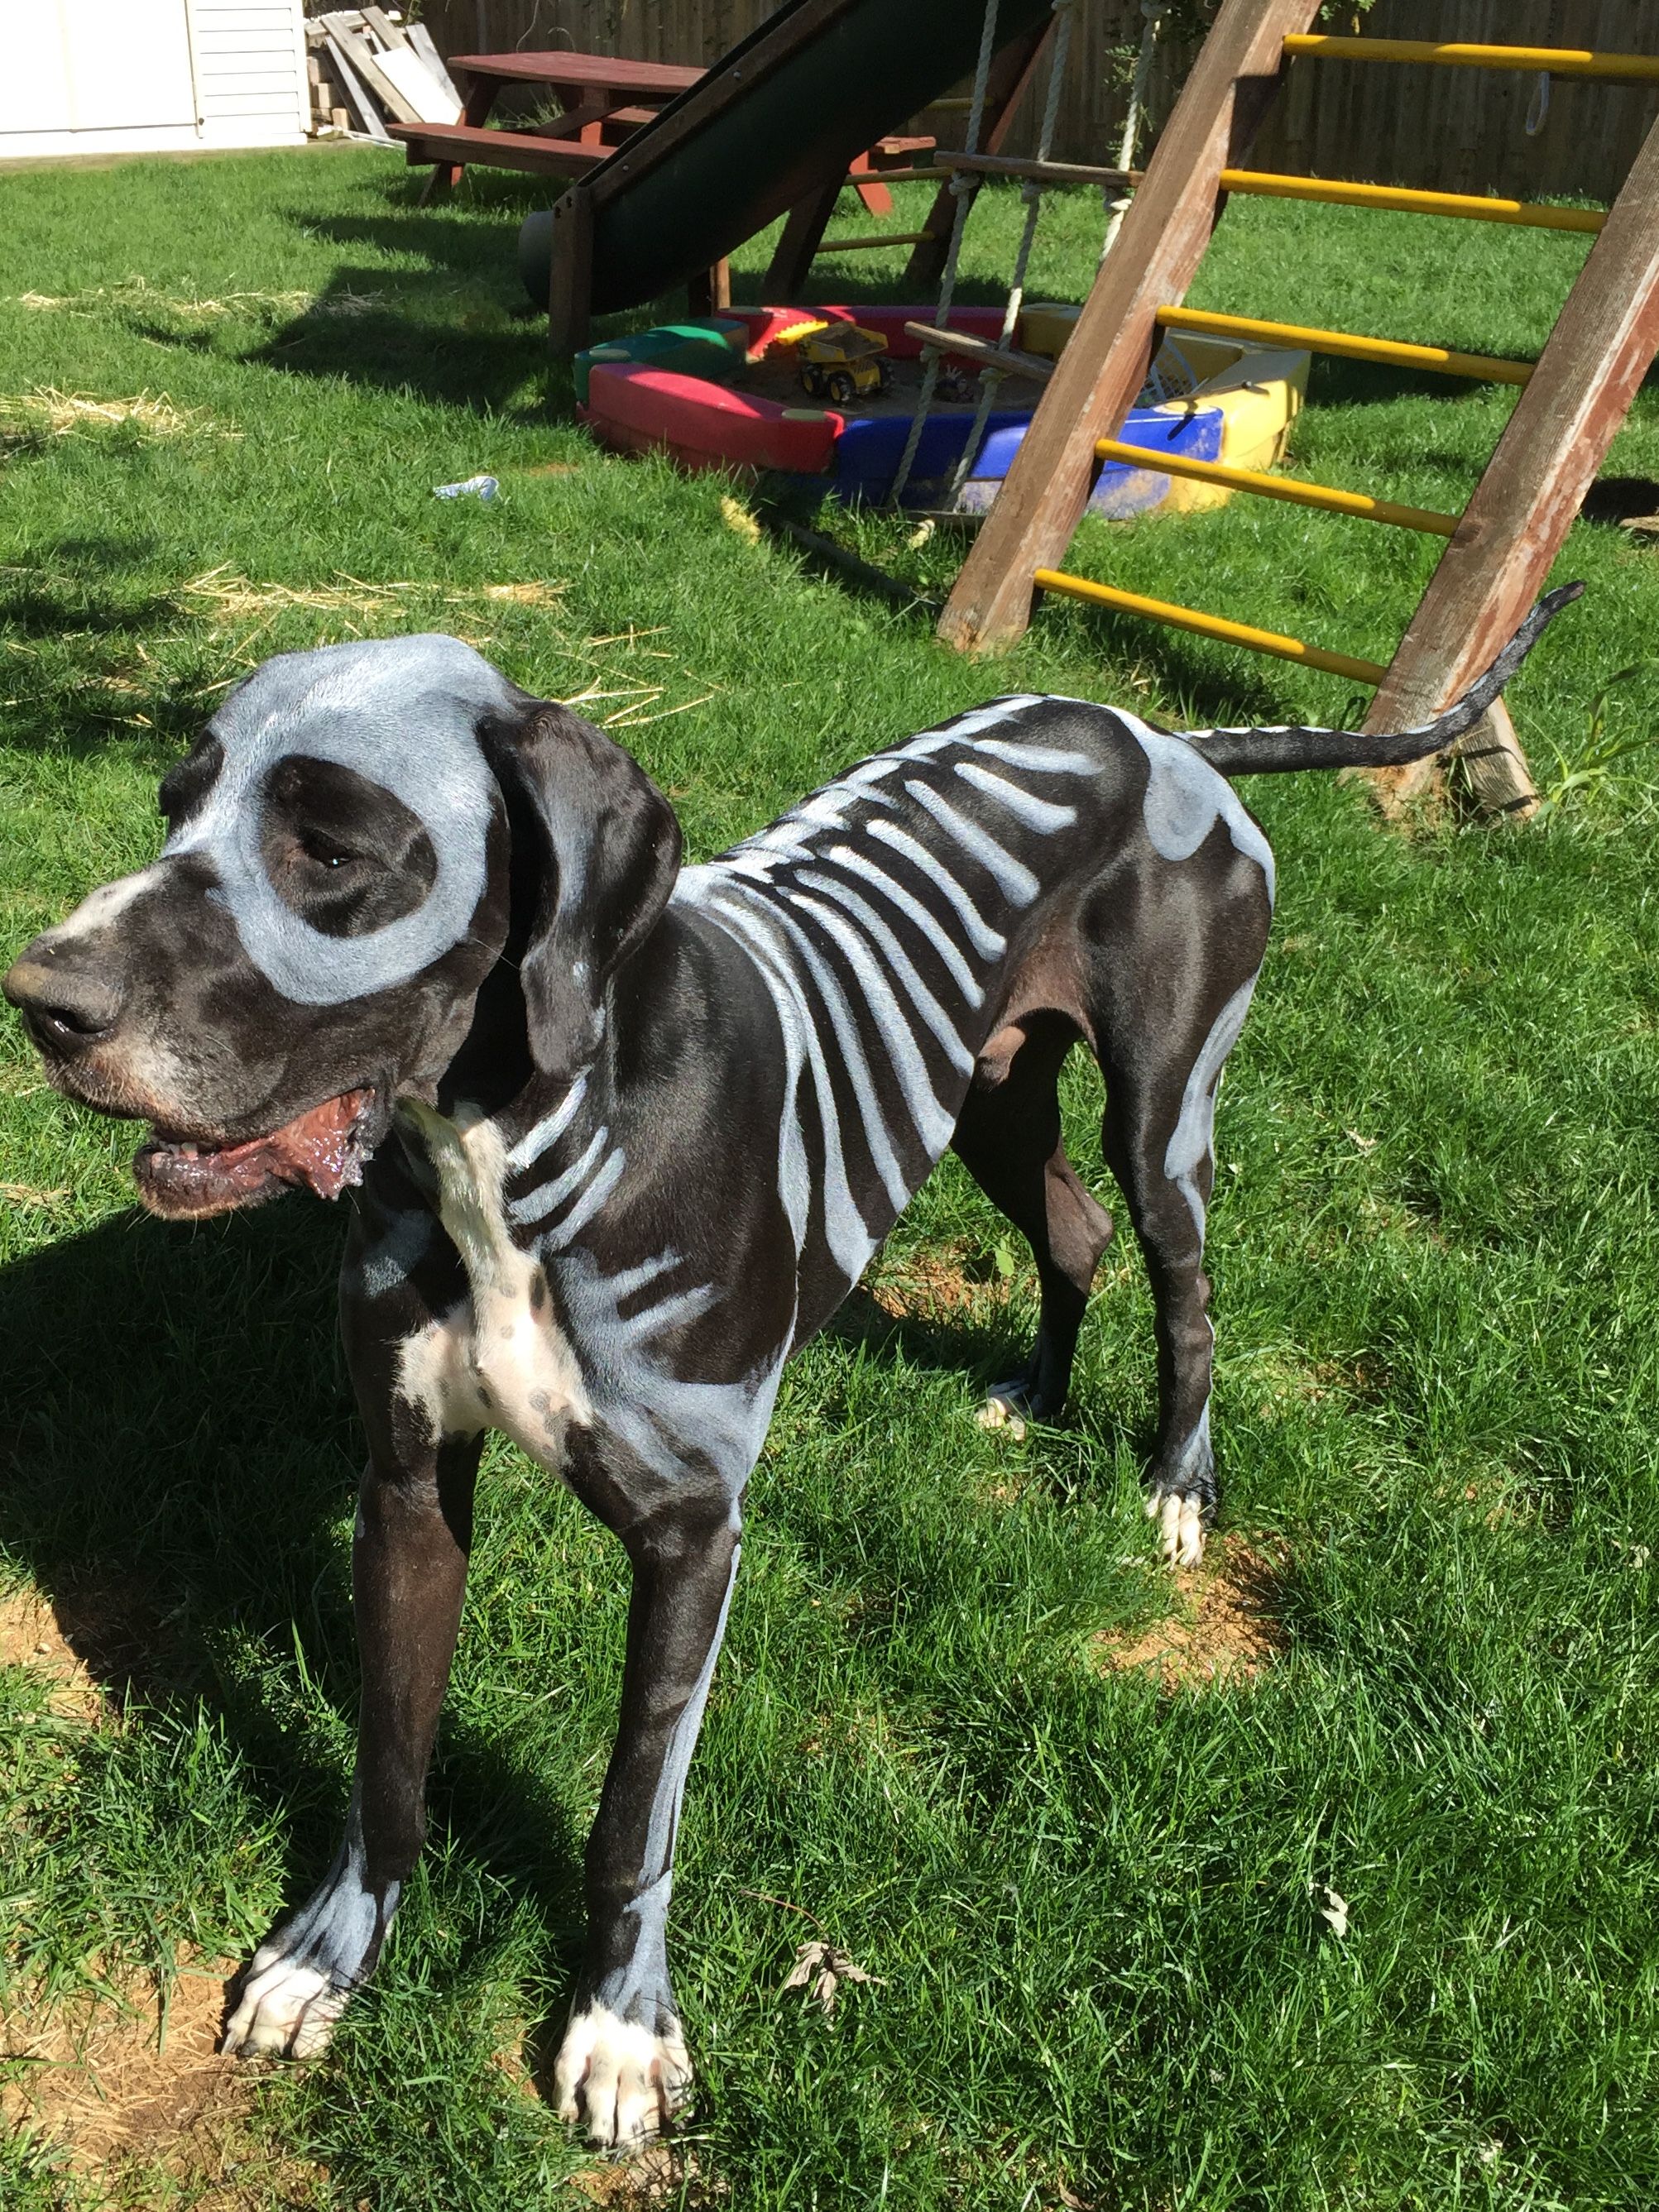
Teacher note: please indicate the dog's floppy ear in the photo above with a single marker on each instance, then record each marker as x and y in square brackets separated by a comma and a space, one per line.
[610, 852]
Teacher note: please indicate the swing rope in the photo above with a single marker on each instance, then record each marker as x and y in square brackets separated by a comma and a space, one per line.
[1152, 12]
[961, 188]
[990, 378]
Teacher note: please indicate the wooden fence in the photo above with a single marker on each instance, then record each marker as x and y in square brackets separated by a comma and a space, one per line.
[1450, 129]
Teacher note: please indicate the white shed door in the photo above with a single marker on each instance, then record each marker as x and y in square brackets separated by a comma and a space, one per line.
[94, 65]
[128, 63]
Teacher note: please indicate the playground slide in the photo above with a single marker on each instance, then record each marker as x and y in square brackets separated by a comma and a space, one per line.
[781, 114]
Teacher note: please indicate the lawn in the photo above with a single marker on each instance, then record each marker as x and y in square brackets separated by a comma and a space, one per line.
[1085, 1830]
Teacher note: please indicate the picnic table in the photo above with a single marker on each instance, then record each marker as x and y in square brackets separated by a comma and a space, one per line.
[602, 100]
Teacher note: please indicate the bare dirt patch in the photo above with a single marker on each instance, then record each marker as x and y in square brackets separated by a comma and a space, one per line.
[100, 1639]
[948, 1285]
[30, 1635]
[1227, 1628]
[130, 2085]
[123, 2089]
[661, 2173]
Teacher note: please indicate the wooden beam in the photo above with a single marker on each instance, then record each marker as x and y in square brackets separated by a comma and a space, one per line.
[1203, 625]
[1551, 60]
[1466, 207]
[1494, 567]
[1483, 367]
[876, 238]
[1295, 491]
[1042, 172]
[352, 86]
[798, 242]
[356, 42]
[982, 351]
[1106, 359]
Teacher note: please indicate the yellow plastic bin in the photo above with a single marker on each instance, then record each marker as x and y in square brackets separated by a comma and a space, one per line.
[1260, 391]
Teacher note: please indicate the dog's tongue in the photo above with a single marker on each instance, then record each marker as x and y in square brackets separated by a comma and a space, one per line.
[315, 1151]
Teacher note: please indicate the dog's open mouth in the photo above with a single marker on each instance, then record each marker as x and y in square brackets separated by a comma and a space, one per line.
[320, 1149]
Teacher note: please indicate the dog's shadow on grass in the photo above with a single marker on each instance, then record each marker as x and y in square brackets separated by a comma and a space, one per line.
[983, 1350]
[178, 1475]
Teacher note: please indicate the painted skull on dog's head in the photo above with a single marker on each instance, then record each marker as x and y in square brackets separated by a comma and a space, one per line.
[349, 845]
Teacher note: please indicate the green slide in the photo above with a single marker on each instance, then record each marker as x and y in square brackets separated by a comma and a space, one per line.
[783, 113]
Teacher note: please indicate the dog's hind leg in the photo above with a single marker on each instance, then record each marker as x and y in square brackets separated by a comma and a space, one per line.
[1199, 967]
[1008, 1137]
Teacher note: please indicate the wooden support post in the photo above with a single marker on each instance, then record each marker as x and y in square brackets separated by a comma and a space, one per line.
[475, 113]
[1105, 361]
[1492, 569]
[709, 290]
[1005, 88]
[877, 200]
[792, 257]
[570, 275]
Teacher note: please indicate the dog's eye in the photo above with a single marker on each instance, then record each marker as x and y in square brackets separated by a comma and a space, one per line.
[325, 851]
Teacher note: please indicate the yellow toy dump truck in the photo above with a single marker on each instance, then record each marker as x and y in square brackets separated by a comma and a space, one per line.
[842, 363]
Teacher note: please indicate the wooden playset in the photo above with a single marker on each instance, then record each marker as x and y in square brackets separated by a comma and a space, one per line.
[1499, 550]
[730, 155]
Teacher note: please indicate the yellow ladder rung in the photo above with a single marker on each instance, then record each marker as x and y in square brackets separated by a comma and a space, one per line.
[1231, 632]
[1559, 61]
[1471, 206]
[1483, 367]
[1331, 501]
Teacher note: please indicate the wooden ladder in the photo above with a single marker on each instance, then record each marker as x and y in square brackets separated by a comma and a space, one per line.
[1499, 550]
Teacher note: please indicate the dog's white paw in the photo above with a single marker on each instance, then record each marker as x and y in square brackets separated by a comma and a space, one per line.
[622, 2079]
[1000, 1411]
[286, 2009]
[1180, 1521]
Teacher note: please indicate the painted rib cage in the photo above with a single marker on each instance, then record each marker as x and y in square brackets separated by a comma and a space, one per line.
[865, 910]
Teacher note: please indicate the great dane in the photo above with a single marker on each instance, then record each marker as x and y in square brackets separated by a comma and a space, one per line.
[621, 1135]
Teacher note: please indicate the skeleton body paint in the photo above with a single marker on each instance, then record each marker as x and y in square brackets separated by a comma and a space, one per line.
[350, 705]
[627, 1134]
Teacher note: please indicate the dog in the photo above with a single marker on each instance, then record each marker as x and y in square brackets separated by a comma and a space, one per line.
[622, 1134]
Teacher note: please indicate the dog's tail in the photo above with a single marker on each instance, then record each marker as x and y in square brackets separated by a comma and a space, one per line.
[1268, 753]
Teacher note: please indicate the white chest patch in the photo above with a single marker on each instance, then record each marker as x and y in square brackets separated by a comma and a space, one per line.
[499, 1359]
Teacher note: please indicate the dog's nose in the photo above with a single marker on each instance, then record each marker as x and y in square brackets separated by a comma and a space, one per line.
[64, 1007]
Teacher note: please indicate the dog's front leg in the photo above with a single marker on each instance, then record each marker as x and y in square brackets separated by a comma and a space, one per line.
[623, 2066]
[408, 1557]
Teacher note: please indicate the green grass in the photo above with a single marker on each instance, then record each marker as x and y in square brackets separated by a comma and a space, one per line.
[1092, 1909]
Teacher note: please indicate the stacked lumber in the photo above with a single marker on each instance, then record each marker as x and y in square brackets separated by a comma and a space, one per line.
[368, 68]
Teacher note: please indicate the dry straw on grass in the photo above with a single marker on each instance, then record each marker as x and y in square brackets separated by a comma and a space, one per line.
[233, 598]
[231, 601]
[137, 292]
[30, 417]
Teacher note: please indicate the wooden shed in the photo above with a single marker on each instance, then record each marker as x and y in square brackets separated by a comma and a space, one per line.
[145, 77]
